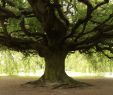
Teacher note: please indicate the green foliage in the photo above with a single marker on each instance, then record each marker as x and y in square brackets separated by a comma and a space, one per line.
[13, 63]
[100, 63]
[77, 62]
[96, 62]
[33, 25]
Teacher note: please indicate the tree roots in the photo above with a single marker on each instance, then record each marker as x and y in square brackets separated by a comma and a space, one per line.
[66, 83]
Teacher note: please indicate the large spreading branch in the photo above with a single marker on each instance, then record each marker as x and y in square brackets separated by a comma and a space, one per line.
[98, 32]
[90, 10]
[20, 44]
[17, 43]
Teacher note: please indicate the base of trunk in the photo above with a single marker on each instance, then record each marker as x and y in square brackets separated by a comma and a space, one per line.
[54, 74]
[66, 82]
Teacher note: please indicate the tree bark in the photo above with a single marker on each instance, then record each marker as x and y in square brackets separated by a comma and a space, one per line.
[55, 67]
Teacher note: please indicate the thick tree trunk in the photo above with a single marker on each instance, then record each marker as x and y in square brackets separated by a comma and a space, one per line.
[55, 67]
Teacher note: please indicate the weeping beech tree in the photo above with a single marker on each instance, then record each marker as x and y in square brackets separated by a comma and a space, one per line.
[66, 26]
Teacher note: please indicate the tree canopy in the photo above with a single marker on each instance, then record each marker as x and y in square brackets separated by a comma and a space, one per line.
[36, 24]
[55, 28]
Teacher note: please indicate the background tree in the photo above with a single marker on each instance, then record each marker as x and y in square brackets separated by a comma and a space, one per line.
[55, 28]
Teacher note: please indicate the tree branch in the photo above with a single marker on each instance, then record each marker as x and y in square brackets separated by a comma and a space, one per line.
[90, 10]
[101, 3]
[19, 44]
[102, 50]
[6, 13]
[10, 2]
[60, 13]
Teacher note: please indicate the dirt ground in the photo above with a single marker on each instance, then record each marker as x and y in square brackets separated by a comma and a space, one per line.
[12, 86]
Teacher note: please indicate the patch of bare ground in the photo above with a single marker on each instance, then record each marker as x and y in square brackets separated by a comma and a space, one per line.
[12, 86]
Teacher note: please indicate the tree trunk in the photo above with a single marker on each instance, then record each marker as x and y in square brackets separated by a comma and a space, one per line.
[55, 67]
